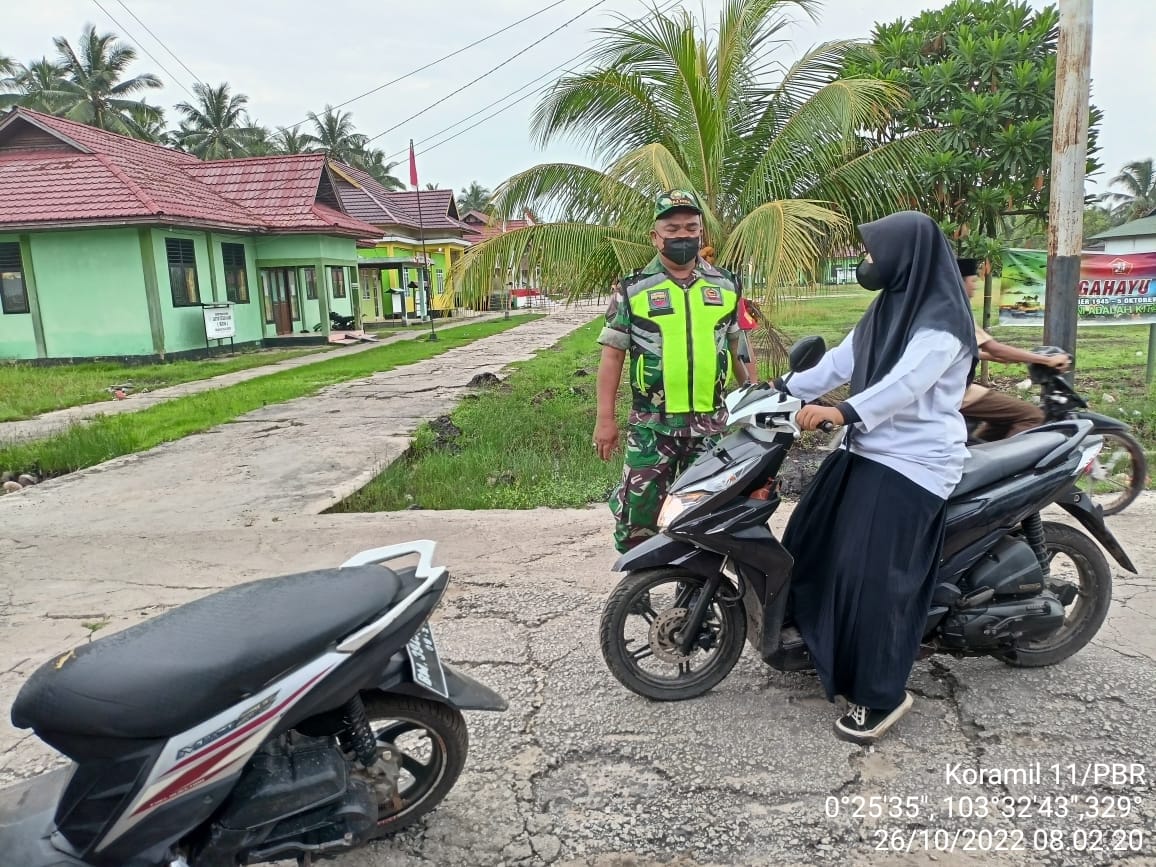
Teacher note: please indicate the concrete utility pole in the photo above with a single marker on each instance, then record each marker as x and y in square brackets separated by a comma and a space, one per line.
[1069, 160]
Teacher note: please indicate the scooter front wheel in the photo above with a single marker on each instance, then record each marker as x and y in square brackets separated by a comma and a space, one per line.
[640, 625]
[1119, 474]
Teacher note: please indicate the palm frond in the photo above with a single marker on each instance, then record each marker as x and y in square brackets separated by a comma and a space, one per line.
[818, 136]
[572, 192]
[574, 258]
[779, 243]
[878, 182]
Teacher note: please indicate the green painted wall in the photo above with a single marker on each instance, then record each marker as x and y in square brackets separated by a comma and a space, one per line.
[92, 293]
[250, 325]
[321, 252]
[93, 300]
[307, 247]
[185, 326]
[17, 334]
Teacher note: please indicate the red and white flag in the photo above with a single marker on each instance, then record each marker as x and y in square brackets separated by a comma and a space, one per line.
[412, 166]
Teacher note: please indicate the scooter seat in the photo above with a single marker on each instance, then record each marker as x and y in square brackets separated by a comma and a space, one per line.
[168, 674]
[989, 463]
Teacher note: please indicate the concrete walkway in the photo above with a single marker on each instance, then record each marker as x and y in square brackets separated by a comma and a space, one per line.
[579, 771]
[49, 423]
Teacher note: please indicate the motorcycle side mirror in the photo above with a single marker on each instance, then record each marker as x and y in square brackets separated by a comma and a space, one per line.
[806, 353]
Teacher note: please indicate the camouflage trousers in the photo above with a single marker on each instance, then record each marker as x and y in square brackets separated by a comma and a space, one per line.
[653, 461]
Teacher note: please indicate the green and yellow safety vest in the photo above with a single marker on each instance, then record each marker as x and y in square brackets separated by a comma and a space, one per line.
[678, 348]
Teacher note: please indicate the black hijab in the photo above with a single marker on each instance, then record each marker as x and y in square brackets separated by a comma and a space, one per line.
[922, 288]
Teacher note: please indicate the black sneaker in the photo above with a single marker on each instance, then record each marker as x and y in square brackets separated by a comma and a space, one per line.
[863, 725]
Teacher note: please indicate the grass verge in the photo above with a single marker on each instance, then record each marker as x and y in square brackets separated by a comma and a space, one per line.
[85, 445]
[527, 443]
[27, 390]
[523, 444]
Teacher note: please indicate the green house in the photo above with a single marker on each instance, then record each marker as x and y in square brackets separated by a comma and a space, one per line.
[113, 247]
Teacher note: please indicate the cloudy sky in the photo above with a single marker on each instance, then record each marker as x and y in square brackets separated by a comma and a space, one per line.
[294, 56]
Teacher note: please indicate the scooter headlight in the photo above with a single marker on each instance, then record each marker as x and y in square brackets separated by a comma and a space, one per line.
[678, 502]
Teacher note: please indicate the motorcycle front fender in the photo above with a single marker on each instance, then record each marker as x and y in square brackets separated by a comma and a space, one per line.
[661, 550]
[1091, 517]
[1103, 422]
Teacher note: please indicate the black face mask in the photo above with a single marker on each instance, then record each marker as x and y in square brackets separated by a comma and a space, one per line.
[681, 251]
[868, 276]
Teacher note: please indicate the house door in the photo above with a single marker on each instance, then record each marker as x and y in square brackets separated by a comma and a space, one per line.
[280, 287]
[371, 300]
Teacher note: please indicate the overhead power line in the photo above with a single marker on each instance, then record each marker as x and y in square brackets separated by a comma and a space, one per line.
[145, 50]
[505, 108]
[489, 71]
[162, 44]
[433, 63]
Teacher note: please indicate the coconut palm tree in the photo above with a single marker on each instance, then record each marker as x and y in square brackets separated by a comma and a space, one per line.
[290, 141]
[475, 197]
[373, 163]
[38, 86]
[1139, 197]
[334, 132]
[217, 127]
[666, 103]
[92, 86]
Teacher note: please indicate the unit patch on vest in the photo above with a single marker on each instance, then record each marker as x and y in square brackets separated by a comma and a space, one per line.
[712, 296]
[659, 301]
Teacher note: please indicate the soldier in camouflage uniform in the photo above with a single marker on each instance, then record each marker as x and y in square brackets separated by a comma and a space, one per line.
[677, 321]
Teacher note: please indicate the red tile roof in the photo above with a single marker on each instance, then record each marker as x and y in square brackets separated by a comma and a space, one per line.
[498, 227]
[107, 177]
[365, 197]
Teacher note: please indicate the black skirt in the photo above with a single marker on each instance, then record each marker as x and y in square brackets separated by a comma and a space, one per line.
[866, 543]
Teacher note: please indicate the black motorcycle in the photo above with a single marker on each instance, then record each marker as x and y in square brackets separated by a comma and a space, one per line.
[716, 575]
[337, 322]
[297, 717]
[1120, 472]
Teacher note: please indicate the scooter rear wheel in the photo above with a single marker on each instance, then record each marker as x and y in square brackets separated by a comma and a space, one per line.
[1086, 614]
[632, 610]
[430, 742]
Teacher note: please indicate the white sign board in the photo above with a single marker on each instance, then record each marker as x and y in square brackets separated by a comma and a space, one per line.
[219, 322]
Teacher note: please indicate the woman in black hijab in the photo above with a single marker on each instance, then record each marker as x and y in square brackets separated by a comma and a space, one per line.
[868, 534]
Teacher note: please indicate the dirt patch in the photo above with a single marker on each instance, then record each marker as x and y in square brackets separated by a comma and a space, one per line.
[446, 434]
[484, 380]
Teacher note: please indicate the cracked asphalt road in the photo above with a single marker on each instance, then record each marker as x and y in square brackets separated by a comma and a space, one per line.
[579, 771]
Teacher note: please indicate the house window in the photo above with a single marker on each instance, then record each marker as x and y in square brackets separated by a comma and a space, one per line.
[309, 275]
[183, 272]
[236, 278]
[337, 278]
[441, 282]
[13, 289]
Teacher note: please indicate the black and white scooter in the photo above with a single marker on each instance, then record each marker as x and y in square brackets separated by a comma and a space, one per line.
[294, 717]
[716, 575]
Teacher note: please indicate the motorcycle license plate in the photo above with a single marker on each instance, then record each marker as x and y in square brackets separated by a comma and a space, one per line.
[424, 660]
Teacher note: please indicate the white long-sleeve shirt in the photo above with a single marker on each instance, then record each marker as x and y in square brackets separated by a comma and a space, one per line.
[909, 420]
